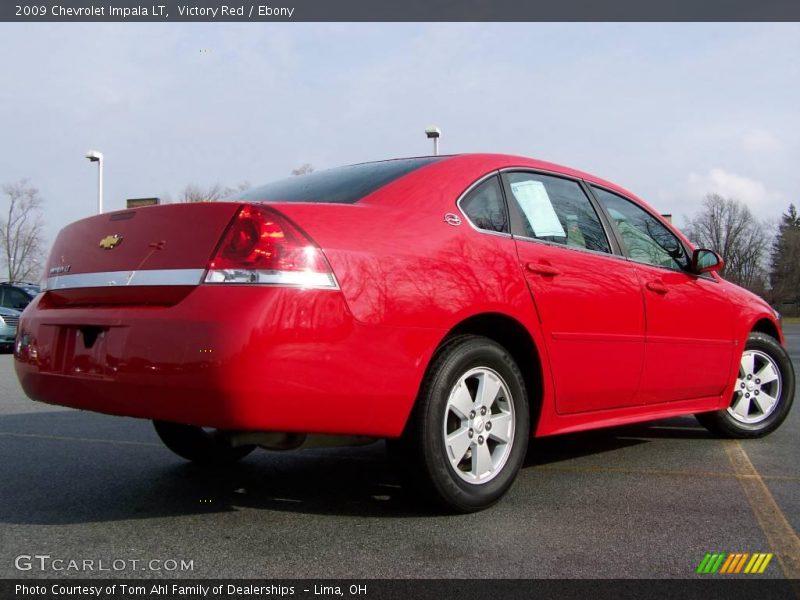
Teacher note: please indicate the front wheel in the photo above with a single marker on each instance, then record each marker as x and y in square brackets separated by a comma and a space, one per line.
[762, 395]
[468, 436]
[199, 445]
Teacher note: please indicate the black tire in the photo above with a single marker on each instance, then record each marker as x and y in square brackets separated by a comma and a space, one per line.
[198, 445]
[722, 423]
[423, 452]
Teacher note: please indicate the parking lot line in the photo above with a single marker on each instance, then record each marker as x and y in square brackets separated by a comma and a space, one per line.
[665, 473]
[780, 535]
[62, 438]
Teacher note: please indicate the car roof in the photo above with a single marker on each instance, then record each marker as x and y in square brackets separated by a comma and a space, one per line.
[33, 287]
[492, 161]
[483, 163]
[303, 188]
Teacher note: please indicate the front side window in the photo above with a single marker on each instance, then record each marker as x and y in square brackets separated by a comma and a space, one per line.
[557, 210]
[485, 208]
[13, 298]
[646, 239]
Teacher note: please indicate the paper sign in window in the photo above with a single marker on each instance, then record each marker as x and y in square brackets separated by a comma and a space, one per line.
[535, 203]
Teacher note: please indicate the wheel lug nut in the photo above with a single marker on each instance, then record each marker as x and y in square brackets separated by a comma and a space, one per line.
[742, 385]
[470, 433]
[747, 395]
[756, 392]
[749, 376]
[758, 381]
[480, 439]
[483, 410]
[488, 426]
[472, 414]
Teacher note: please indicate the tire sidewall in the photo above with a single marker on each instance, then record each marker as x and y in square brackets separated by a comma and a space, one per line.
[469, 354]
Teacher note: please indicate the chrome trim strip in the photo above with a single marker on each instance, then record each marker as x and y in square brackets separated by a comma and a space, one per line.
[525, 238]
[124, 278]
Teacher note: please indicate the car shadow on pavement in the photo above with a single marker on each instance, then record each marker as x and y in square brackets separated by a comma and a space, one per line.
[66, 467]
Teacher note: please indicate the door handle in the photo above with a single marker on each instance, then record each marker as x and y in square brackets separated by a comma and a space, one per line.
[543, 269]
[657, 287]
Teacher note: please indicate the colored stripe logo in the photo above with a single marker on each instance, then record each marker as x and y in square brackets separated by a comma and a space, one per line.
[734, 563]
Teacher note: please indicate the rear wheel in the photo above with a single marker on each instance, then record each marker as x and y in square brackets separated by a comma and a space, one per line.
[468, 436]
[199, 445]
[762, 395]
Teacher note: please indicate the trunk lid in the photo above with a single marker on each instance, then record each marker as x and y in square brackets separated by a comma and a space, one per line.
[135, 256]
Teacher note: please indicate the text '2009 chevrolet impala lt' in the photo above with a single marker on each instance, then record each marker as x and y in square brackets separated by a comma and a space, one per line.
[453, 305]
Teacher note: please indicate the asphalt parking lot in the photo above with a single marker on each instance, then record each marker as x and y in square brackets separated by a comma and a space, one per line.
[645, 501]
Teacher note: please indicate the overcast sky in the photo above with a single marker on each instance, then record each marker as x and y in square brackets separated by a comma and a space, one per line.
[669, 111]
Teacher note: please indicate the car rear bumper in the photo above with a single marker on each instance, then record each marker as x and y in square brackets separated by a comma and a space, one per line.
[232, 357]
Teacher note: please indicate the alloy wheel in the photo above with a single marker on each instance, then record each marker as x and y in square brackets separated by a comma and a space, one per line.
[479, 425]
[758, 388]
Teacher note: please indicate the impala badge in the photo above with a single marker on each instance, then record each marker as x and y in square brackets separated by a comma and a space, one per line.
[110, 241]
[452, 219]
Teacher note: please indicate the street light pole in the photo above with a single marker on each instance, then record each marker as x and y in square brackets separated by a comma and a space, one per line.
[95, 156]
[433, 133]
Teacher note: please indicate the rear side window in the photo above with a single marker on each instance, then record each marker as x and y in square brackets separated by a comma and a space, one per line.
[556, 210]
[342, 185]
[646, 239]
[485, 208]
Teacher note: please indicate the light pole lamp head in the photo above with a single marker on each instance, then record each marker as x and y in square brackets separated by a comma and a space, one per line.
[433, 132]
[94, 156]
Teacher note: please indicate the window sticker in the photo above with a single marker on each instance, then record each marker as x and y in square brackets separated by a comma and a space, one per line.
[535, 203]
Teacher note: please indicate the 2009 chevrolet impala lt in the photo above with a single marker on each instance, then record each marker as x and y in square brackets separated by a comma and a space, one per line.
[452, 305]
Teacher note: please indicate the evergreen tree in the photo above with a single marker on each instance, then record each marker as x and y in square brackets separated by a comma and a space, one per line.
[785, 272]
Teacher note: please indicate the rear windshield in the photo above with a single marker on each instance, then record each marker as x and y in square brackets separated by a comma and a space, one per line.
[342, 185]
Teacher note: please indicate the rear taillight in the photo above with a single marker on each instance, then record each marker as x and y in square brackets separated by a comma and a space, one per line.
[262, 246]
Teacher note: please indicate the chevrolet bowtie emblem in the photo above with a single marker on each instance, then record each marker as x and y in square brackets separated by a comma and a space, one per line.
[110, 241]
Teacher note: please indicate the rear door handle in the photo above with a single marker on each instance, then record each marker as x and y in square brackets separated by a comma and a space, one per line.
[657, 287]
[543, 269]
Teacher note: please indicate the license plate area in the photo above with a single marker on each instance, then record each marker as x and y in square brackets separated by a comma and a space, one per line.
[91, 351]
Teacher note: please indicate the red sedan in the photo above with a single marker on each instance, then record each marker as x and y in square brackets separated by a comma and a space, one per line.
[454, 305]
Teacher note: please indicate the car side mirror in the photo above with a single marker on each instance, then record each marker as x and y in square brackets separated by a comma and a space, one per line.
[706, 261]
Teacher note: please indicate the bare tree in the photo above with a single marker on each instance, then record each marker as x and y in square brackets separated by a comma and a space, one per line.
[197, 193]
[303, 169]
[727, 226]
[242, 186]
[21, 236]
